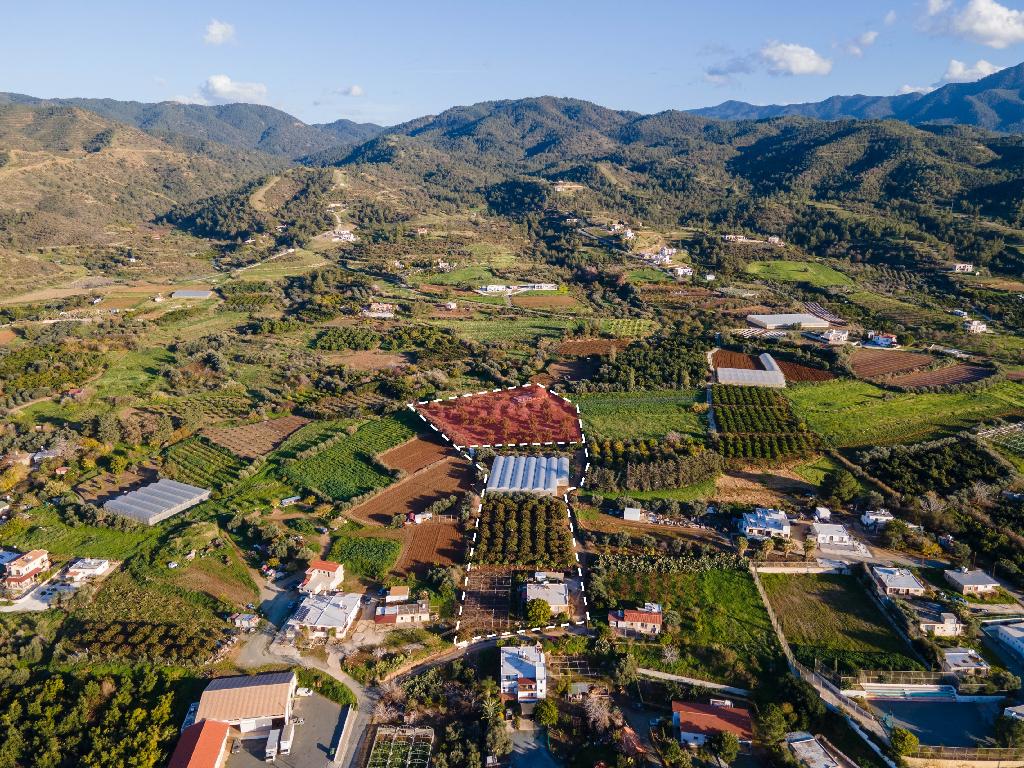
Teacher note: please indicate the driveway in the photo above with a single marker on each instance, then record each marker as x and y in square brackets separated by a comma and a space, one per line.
[530, 751]
[314, 739]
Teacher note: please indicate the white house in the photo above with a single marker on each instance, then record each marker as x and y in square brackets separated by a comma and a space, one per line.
[524, 674]
[323, 615]
[963, 267]
[765, 524]
[322, 576]
[964, 661]
[407, 613]
[555, 594]
[882, 339]
[835, 336]
[975, 582]
[897, 581]
[1012, 635]
[399, 594]
[633, 514]
[87, 568]
[822, 514]
[682, 271]
[975, 326]
[830, 533]
[876, 519]
[948, 625]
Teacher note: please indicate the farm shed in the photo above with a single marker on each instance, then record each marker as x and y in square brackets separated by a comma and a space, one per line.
[155, 502]
[249, 702]
[633, 514]
[531, 474]
[782, 321]
[408, 613]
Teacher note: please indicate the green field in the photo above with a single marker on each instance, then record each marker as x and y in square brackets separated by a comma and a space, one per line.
[370, 556]
[647, 275]
[725, 634]
[346, 468]
[508, 329]
[818, 275]
[46, 531]
[133, 373]
[697, 492]
[627, 328]
[621, 415]
[830, 618]
[851, 414]
[199, 462]
[474, 276]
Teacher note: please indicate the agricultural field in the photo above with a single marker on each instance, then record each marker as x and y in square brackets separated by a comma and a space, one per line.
[876, 363]
[401, 747]
[725, 358]
[46, 530]
[724, 634]
[369, 556]
[1009, 438]
[830, 618]
[488, 603]
[654, 413]
[451, 475]
[797, 373]
[513, 329]
[757, 424]
[412, 456]
[951, 375]
[346, 468]
[437, 542]
[209, 408]
[251, 441]
[556, 302]
[900, 311]
[529, 414]
[812, 273]
[852, 414]
[524, 531]
[588, 347]
[622, 328]
[198, 462]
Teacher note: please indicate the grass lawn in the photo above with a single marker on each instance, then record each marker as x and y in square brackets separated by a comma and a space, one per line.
[621, 415]
[133, 373]
[44, 530]
[850, 413]
[647, 275]
[829, 617]
[475, 276]
[725, 634]
[818, 275]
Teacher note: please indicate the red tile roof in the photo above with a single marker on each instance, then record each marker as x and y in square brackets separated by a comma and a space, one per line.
[641, 617]
[709, 719]
[323, 565]
[200, 745]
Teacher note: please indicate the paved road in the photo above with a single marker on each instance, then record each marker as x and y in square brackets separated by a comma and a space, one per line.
[530, 751]
[692, 681]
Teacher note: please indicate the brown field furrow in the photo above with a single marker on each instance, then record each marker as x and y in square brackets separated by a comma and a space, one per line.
[724, 358]
[587, 347]
[415, 493]
[872, 363]
[960, 373]
[415, 454]
[432, 543]
[796, 372]
[253, 440]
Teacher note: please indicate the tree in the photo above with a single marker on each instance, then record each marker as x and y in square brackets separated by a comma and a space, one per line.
[546, 713]
[772, 725]
[841, 485]
[767, 547]
[626, 671]
[498, 742]
[903, 742]
[1010, 731]
[675, 756]
[810, 545]
[538, 613]
[725, 746]
[742, 544]
[599, 713]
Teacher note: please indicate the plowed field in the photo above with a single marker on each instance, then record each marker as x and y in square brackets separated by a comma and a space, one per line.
[724, 358]
[253, 440]
[795, 372]
[586, 347]
[415, 493]
[416, 454]
[437, 542]
[873, 363]
[960, 373]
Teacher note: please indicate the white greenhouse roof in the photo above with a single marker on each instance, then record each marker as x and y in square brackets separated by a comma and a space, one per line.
[157, 501]
[741, 377]
[532, 474]
[787, 321]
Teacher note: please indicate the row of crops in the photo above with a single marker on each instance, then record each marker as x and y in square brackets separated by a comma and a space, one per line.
[524, 530]
[199, 462]
[757, 424]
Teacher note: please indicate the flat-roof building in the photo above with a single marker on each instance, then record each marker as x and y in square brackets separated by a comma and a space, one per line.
[323, 615]
[809, 752]
[555, 594]
[87, 568]
[830, 533]
[155, 502]
[964, 662]
[1012, 635]
[249, 702]
[788, 320]
[975, 582]
[542, 475]
[897, 581]
[524, 674]
[765, 523]
[404, 613]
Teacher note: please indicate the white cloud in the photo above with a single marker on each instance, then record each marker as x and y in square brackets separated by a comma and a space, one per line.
[219, 32]
[935, 7]
[989, 23]
[914, 89]
[352, 90]
[793, 59]
[890, 18]
[856, 46]
[959, 72]
[221, 89]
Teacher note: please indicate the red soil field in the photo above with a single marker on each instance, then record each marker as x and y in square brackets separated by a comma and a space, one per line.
[447, 477]
[872, 363]
[796, 372]
[528, 414]
[437, 542]
[724, 358]
[415, 454]
[960, 373]
[587, 347]
[253, 440]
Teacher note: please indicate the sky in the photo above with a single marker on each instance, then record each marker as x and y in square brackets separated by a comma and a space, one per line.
[388, 62]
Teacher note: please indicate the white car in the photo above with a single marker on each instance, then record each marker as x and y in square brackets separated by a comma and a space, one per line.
[303, 692]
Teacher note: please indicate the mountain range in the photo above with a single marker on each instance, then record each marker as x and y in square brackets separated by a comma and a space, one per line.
[995, 102]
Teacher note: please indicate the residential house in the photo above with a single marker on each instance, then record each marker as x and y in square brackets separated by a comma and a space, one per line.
[555, 594]
[963, 267]
[809, 752]
[876, 519]
[975, 326]
[765, 523]
[406, 613]
[830, 533]
[964, 662]
[643, 621]
[87, 568]
[835, 336]
[882, 339]
[975, 582]
[201, 745]
[696, 723]
[249, 702]
[897, 581]
[682, 271]
[1012, 635]
[380, 310]
[524, 676]
[822, 514]
[775, 240]
[22, 573]
[947, 625]
[786, 320]
[322, 576]
[399, 594]
[247, 622]
[323, 615]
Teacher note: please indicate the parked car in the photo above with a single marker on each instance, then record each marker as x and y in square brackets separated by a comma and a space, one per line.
[236, 746]
[303, 692]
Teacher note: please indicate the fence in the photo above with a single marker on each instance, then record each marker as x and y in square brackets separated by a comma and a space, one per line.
[828, 691]
[897, 677]
[969, 753]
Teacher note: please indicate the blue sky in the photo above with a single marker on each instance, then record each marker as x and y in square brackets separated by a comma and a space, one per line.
[395, 60]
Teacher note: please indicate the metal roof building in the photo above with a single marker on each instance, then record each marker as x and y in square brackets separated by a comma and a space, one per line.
[771, 376]
[190, 294]
[157, 501]
[530, 474]
[793, 320]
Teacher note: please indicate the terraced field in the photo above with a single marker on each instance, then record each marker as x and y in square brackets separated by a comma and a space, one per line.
[198, 462]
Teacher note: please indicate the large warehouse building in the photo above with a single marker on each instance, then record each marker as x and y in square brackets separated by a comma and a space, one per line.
[784, 321]
[157, 501]
[529, 474]
[249, 702]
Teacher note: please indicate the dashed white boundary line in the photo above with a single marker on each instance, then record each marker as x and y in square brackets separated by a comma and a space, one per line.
[462, 450]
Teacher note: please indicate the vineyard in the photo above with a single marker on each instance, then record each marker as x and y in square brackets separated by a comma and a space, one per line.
[253, 440]
[525, 531]
[758, 424]
[199, 462]
[900, 311]
[348, 468]
[622, 328]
